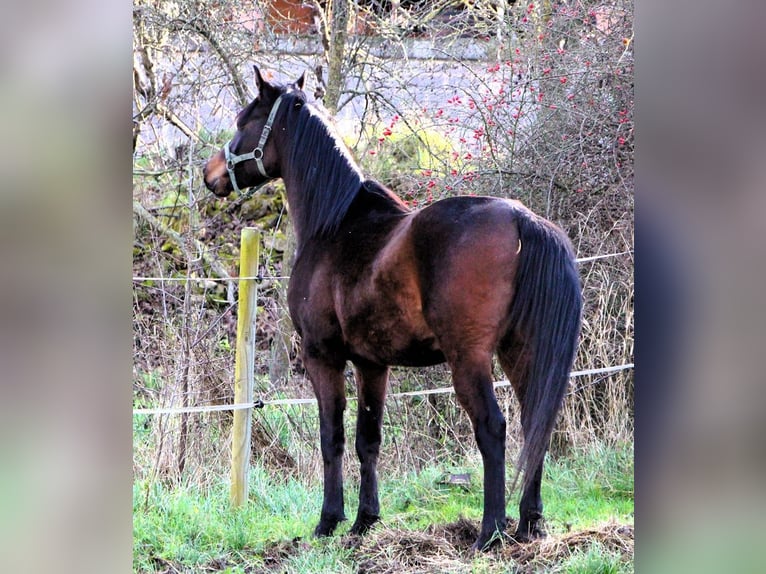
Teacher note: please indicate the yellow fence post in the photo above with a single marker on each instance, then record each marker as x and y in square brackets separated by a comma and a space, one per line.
[244, 365]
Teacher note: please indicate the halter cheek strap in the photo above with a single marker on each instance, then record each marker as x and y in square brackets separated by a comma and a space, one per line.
[256, 154]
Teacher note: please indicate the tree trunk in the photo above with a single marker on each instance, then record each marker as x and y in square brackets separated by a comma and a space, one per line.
[338, 36]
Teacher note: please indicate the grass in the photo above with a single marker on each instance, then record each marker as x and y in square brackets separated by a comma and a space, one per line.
[595, 560]
[193, 528]
[595, 484]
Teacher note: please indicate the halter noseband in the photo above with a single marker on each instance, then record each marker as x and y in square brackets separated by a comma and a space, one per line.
[256, 154]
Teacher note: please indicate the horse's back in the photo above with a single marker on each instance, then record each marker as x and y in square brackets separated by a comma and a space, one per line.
[416, 288]
[454, 224]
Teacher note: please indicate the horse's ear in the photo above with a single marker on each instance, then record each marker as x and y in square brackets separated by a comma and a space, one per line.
[259, 81]
[300, 81]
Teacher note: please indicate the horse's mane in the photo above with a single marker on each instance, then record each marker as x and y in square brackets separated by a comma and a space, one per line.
[323, 168]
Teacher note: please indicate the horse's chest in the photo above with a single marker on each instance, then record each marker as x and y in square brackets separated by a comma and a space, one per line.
[374, 311]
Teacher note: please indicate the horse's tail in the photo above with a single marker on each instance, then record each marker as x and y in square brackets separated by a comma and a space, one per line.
[545, 314]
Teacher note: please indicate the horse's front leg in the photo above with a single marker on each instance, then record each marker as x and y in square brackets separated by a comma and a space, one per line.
[327, 381]
[371, 383]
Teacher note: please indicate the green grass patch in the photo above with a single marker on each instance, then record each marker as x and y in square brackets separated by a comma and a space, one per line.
[594, 560]
[594, 486]
[195, 528]
[417, 500]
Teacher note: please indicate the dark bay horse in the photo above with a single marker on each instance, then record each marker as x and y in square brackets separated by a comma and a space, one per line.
[377, 284]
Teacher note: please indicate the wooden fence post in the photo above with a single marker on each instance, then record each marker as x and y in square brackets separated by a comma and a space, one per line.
[244, 365]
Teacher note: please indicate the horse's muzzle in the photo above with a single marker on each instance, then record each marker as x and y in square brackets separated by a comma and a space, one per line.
[219, 186]
[215, 177]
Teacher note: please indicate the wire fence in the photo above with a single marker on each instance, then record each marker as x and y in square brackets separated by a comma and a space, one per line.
[285, 402]
[305, 401]
[287, 277]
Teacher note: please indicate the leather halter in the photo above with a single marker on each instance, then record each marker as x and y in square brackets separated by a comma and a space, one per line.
[256, 154]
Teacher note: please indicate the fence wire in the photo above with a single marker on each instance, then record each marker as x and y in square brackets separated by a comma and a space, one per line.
[282, 402]
[277, 402]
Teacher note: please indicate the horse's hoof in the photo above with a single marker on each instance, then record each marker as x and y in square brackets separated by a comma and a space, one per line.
[363, 524]
[530, 527]
[327, 526]
[323, 530]
[482, 546]
[534, 533]
[485, 542]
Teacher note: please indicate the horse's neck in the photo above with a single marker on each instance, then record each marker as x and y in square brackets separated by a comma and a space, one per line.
[321, 178]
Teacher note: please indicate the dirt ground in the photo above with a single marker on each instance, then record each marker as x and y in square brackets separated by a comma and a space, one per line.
[441, 548]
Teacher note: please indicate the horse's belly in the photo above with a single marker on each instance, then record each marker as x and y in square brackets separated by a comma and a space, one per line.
[415, 353]
[393, 336]
[418, 354]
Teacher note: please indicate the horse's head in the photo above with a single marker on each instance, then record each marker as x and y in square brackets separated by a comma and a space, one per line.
[250, 158]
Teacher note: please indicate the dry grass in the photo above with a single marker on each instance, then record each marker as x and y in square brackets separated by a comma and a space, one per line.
[446, 548]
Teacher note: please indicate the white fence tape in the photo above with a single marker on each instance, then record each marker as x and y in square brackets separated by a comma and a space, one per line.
[279, 278]
[441, 390]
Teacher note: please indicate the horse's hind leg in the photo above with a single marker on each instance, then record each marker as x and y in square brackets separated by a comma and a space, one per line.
[328, 386]
[531, 510]
[371, 392]
[475, 392]
[514, 359]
